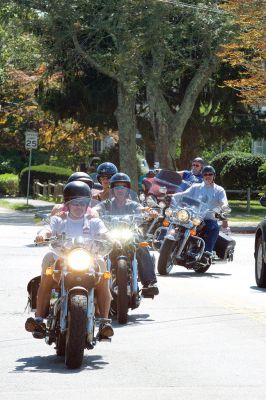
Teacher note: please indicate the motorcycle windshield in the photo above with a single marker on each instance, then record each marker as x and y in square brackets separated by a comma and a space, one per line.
[170, 181]
[63, 246]
[122, 213]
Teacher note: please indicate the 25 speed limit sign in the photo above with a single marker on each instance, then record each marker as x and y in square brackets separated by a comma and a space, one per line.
[31, 140]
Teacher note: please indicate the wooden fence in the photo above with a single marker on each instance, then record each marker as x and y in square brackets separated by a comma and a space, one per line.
[55, 191]
[48, 190]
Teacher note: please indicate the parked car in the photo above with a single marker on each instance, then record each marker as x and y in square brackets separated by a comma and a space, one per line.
[260, 250]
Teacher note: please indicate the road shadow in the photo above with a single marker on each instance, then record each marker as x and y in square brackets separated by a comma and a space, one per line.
[258, 289]
[133, 319]
[55, 364]
[195, 275]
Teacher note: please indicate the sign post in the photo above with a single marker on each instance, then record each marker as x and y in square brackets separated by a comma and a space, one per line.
[31, 142]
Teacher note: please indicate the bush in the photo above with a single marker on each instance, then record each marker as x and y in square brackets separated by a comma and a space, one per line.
[262, 174]
[43, 173]
[219, 161]
[9, 185]
[242, 172]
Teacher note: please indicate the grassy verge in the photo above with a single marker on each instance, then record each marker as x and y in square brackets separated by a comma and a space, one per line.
[239, 211]
[15, 206]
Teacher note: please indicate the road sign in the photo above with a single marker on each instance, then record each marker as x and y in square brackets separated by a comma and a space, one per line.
[31, 140]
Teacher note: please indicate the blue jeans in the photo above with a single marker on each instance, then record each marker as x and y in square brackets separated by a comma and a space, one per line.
[146, 268]
[210, 234]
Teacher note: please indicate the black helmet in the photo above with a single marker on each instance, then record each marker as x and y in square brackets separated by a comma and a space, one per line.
[106, 168]
[76, 189]
[82, 177]
[208, 168]
[120, 177]
[199, 160]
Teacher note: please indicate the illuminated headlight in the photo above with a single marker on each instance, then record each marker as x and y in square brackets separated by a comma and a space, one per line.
[168, 212]
[162, 204]
[121, 234]
[196, 221]
[183, 215]
[79, 260]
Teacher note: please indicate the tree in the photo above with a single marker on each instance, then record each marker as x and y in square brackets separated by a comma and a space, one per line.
[247, 52]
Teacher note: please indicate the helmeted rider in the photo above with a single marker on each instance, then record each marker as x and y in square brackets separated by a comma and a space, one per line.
[105, 171]
[213, 195]
[77, 196]
[121, 203]
[59, 209]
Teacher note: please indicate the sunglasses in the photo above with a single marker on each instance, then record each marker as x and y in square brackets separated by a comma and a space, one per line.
[196, 165]
[208, 174]
[120, 187]
[106, 177]
[79, 203]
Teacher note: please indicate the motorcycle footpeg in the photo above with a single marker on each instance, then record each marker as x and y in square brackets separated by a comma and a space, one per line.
[148, 296]
[38, 335]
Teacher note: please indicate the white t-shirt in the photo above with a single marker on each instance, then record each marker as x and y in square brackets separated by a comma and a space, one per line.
[213, 195]
[91, 227]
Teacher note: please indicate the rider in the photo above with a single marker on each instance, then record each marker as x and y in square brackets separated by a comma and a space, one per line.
[58, 209]
[105, 171]
[76, 223]
[194, 175]
[214, 196]
[121, 204]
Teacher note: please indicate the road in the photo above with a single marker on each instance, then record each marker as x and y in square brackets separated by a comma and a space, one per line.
[203, 337]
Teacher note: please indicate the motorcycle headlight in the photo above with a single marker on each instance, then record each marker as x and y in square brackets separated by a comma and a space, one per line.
[183, 215]
[196, 221]
[79, 260]
[121, 234]
[168, 212]
[162, 204]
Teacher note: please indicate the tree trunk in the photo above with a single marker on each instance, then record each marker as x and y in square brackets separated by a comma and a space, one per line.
[126, 120]
[159, 124]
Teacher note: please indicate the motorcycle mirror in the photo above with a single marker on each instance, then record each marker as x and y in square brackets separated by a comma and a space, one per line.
[142, 196]
[163, 189]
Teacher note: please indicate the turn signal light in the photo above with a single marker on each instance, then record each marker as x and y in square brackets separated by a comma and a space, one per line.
[49, 271]
[106, 275]
[193, 232]
[143, 244]
[166, 223]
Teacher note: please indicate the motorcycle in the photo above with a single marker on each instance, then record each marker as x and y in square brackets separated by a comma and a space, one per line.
[126, 235]
[71, 320]
[183, 243]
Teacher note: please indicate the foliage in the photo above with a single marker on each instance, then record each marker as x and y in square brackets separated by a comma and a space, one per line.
[247, 51]
[262, 174]
[9, 185]
[43, 173]
[242, 172]
[220, 160]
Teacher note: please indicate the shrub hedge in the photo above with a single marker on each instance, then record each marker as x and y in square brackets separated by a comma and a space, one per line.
[43, 173]
[262, 174]
[9, 185]
[241, 172]
[220, 160]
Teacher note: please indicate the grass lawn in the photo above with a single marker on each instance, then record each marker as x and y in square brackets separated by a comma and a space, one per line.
[15, 206]
[239, 211]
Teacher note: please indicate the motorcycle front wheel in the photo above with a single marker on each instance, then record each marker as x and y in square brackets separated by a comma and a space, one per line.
[76, 331]
[122, 298]
[165, 263]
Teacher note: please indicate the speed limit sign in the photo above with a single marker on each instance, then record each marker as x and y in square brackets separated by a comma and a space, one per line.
[31, 140]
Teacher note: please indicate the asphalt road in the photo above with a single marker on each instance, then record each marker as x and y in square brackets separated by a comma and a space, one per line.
[203, 337]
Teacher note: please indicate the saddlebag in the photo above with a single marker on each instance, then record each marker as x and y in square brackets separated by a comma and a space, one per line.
[224, 247]
[32, 289]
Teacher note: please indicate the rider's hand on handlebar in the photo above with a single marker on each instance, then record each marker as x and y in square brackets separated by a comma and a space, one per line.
[42, 236]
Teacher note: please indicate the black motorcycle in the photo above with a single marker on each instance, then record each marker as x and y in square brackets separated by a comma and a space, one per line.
[183, 243]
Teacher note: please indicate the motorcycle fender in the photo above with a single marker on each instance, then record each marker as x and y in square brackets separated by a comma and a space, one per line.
[78, 290]
[170, 237]
[122, 258]
[134, 275]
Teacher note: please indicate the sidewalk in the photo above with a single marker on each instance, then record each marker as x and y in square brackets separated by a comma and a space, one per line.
[9, 216]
